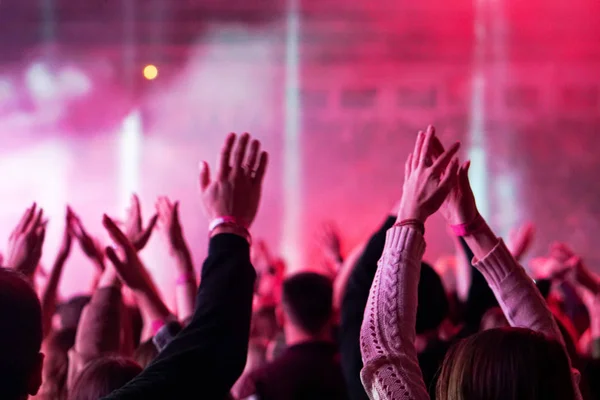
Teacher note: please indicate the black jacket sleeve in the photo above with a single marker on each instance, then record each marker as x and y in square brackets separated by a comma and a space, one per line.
[353, 308]
[480, 297]
[206, 357]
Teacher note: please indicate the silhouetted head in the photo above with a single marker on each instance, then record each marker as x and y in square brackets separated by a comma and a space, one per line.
[506, 364]
[20, 337]
[308, 301]
[102, 376]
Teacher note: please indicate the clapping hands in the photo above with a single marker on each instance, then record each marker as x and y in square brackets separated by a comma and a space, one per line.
[429, 177]
[170, 225]
[134, 229]
[26, 241]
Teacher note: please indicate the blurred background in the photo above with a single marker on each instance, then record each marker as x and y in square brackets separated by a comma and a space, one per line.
[103, 98]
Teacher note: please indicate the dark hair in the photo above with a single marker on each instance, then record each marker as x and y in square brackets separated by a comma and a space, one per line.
[70, 311]
[145, 353]
[102, 376]
[56, 363]
[20, 336]
[307, 300]
[433, 305]
[506, 364]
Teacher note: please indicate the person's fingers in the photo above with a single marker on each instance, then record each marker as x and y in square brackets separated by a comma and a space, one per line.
[463, 177]
[408, 167]
[41, 235]
[223, 164]
[417, 149]
[240, 153]
[250, 165]
[151, 224]
[25, 219]
[425, 147]
[263, 161]
[440, 165]
[450, 177]
[136, 207]
[176, 212]
[77, 228]
[205, 175]
[114, 232]
[436, 147]
[114, 259]
[36, 221]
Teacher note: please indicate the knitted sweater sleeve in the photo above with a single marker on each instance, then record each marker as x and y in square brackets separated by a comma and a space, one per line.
[519, 298]
[391, 368]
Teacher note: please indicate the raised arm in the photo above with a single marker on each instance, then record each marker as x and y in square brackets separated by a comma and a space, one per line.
[391, 369]
[208, 356]
[98, 332]
[519, 298]
[135, 275]
[186, 284]
[49, 294]
[26, 241]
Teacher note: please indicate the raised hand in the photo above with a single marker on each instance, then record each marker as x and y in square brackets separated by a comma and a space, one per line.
[26, 241]
[90, 246]
[459, 207]
[169, 224]
[137, 234]
[573, 268]
[330, 243]
[236, 188]
[519, 240]
[128, 265]
[132, 272]
[67, 238]
[427, 182]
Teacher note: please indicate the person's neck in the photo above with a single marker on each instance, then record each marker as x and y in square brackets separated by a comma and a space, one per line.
[295, 335]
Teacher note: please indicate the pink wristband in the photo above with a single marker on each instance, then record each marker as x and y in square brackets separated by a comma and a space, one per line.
[468, 228]
[186, 278]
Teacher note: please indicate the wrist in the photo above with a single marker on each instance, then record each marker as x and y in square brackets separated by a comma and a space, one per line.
[407, 213]
[475, 224]
[413, 223]
[229, 225]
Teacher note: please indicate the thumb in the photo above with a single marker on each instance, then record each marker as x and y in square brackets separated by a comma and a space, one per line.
[204, 175]
[463, 176]
[176, 211]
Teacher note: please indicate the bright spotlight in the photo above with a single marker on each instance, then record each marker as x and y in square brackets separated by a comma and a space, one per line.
[150, 72]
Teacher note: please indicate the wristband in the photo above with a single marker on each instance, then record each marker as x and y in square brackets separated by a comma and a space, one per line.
[226, 220]
[468, 228]
[186, 277]
[242, 229]
[415, 223]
